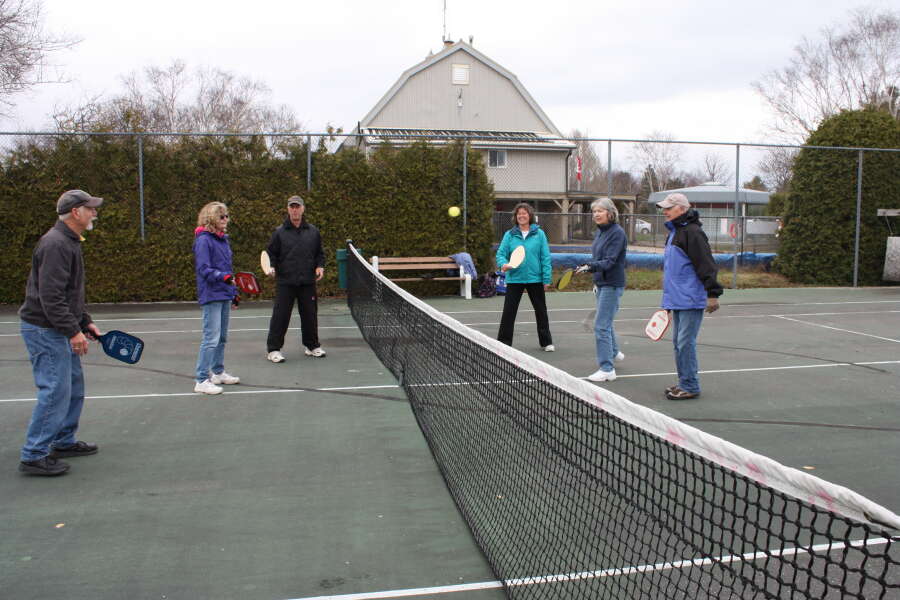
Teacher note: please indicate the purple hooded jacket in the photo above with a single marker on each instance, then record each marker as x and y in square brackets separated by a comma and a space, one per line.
[212, 262]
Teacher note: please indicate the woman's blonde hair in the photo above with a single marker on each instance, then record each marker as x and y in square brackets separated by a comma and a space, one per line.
[209, 215]
[608, 206]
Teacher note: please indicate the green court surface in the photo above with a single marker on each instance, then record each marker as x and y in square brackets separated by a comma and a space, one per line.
[311, 479]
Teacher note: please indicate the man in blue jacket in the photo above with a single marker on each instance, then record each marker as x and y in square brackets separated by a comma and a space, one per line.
[690, 286]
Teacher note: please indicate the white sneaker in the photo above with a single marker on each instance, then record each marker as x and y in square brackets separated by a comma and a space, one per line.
[601, 375]
[275, 356]
[224, 378]
[207, 387]
[317, 352]
[620, 357]
[550, 348]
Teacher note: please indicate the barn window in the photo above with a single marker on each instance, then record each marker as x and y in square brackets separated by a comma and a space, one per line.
[460, 74]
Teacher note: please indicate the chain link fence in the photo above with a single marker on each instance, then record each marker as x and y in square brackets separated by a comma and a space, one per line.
[648, 233]
[518, 170]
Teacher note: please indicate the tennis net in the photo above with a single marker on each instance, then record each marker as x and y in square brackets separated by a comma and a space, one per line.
[571, 491]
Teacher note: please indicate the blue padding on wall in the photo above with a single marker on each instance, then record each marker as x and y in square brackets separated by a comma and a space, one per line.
[637, 260]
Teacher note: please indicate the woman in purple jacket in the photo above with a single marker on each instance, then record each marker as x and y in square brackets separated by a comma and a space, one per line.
[216, 293]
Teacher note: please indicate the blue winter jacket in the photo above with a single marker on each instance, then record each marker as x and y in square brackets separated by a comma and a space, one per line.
[536, 268]
[212, 262]
[689, 271]
[608, 256]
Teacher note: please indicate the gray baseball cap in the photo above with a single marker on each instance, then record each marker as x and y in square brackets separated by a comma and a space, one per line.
[75, 198]
[675, 199]
[295, 200]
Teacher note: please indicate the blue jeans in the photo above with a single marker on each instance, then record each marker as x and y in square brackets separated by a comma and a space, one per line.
[215, 333]
[686, 327]
[60, 383]
[604, 334]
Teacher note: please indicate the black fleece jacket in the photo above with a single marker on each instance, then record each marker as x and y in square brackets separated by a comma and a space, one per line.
[54, 294]
[295, 253]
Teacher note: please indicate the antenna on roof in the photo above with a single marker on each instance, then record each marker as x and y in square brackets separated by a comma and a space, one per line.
[444, 34]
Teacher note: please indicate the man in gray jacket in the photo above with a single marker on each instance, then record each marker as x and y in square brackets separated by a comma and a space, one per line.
[54, 325]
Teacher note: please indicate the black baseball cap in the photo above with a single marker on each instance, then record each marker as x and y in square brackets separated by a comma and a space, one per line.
[75, 198]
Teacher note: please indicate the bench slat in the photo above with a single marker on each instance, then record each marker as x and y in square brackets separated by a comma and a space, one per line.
[420, 266]
[427, 279]
[407, 259]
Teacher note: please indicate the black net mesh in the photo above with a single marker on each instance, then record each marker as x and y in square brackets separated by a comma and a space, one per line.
[569, 501]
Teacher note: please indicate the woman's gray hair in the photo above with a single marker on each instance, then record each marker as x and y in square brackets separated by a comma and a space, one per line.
[608, 206]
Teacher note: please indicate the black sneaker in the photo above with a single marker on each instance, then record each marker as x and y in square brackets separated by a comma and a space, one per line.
[44, 466]
[76, 449]
[680, 394]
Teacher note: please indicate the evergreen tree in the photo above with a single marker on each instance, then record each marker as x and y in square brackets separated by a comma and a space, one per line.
[817, 241]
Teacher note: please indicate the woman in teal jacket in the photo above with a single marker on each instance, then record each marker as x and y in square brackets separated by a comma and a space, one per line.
[533, 275]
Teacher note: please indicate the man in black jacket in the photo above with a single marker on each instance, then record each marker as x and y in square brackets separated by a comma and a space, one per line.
[54, 324]
[299, 262]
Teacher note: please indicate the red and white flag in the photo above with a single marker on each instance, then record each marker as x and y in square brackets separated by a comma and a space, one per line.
[578, 168]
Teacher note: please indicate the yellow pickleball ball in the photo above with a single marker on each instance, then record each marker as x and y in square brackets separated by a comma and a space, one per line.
[453, 211]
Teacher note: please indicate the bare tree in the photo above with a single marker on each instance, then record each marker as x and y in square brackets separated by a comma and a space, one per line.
[777, 166]
[853, 68]
[659, 160]
[715, 168]
[174, 99]
[24, 48]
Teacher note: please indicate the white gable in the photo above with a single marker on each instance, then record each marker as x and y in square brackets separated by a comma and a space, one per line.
[459, 89]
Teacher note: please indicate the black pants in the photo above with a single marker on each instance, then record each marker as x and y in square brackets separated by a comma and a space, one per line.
[511, 307]
[307, 307]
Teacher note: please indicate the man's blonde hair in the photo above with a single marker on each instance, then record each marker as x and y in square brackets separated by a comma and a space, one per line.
[209, 215]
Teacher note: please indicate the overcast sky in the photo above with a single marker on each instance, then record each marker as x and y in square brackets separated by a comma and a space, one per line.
[613, 68]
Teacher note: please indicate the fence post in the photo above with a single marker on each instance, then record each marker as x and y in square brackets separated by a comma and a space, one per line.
[737, 192]
[609, 186]
[141, 180]
[308, 163]
[859, 175]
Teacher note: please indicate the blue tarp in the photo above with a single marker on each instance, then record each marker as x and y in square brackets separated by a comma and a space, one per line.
[655, 261]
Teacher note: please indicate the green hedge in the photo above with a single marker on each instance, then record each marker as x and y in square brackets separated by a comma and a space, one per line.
[393, 204]
[775, 208]
[817, 240]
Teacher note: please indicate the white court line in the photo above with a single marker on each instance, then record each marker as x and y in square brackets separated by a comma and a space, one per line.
[230, 330]
[614, 572]
[753, 369]
[468, 312]
[494, 323]
[877, 337]
[716, 318]
[394, 385]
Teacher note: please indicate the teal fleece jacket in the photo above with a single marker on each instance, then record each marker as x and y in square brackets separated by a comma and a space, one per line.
[536, 268]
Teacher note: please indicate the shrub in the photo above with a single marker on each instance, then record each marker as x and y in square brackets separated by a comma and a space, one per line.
[394, 204]
[817, 240]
